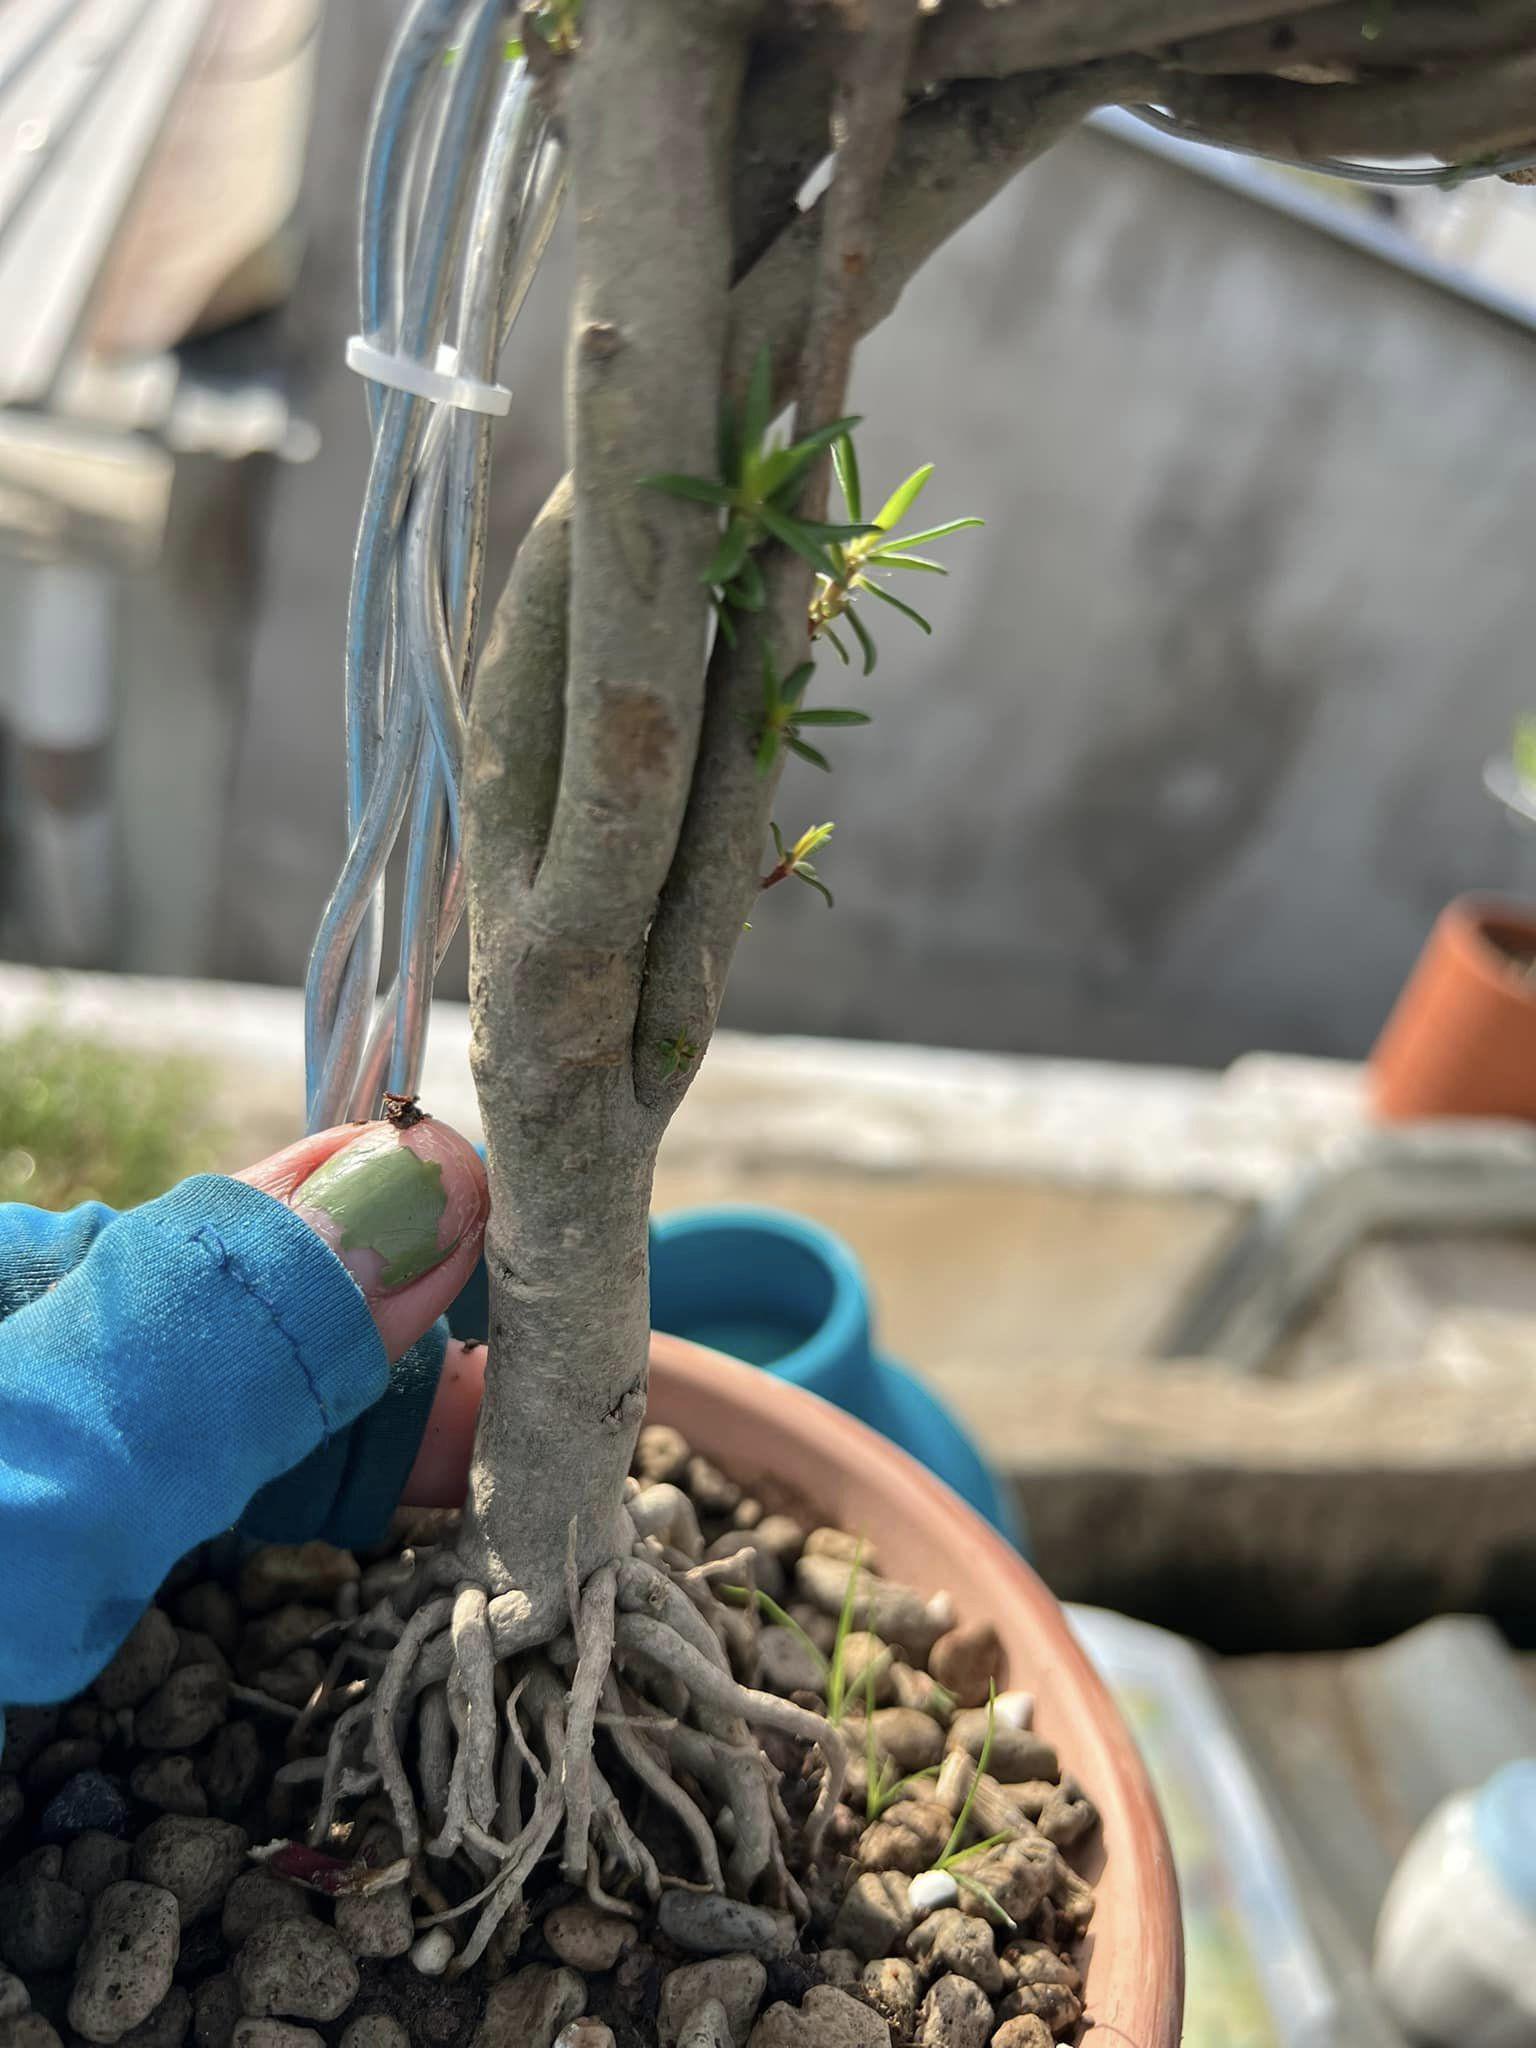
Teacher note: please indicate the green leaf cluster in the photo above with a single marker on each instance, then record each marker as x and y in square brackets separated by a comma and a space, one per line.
[784, 714]
[794, 860]
[679, 1054]
[757, 487]
[870, 551]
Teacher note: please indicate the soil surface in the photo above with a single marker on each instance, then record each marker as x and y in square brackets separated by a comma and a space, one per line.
[156, 1886]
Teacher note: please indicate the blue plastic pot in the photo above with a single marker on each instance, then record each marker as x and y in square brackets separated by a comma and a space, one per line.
[783, 1294]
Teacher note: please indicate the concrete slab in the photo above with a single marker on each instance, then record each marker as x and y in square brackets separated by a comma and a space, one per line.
[992, 1277]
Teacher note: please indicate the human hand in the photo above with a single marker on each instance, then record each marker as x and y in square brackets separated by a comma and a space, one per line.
[168, 1373]
[411, 1247]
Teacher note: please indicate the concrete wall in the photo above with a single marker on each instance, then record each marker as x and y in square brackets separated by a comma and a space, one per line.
[1193, 757]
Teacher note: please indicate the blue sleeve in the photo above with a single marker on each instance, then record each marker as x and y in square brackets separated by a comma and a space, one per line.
[37, 1248]
[156, 1370]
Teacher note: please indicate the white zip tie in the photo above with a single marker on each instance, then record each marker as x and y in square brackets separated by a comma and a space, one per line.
[441, 383]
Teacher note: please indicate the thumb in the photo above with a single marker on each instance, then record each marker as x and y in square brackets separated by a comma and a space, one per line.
[401, 1203]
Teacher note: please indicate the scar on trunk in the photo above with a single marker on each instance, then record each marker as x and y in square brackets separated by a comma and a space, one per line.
[621, 1409]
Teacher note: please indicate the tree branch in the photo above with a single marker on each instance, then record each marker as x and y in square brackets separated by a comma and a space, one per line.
[951, 156]
[648, 330]
[517, 714]
[1408, 34]
[997, 38]
[713, 883]
[786, 108]
[954, 153]
[1470, 112]
[555, 965]
[867, 114]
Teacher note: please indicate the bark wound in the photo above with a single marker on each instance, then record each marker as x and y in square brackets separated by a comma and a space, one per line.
[638, 739]
[600, 340]
[579, 1001]
[630, 1405]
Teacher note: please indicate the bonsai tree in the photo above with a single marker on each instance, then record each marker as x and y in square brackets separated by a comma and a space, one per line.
[658, 652]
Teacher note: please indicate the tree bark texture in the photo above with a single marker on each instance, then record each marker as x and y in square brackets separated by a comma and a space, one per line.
[615, 817]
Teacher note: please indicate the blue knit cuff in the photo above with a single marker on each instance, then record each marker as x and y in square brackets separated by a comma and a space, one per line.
[347, 1489]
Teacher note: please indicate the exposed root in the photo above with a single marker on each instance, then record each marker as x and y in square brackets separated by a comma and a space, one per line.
[626, 1742]
[385, 1749]
[634, 1747]
[594, 1641]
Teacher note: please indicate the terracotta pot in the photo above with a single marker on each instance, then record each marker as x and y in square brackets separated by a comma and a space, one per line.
[762, 1430]
[1461, 1040]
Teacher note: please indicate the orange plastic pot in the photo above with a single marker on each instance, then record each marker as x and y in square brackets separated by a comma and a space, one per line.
[769, 1434]
[1461, 1040]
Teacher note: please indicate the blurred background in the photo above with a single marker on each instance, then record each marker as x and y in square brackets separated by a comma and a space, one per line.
[1147, 836]
[1191, 761]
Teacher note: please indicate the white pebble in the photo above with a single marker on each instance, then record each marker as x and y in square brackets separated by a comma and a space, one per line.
[942, 1612]
[433, 1952]
[934, 1888]
[1015, 1709]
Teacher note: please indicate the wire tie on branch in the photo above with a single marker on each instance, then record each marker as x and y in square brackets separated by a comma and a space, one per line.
[441, 382]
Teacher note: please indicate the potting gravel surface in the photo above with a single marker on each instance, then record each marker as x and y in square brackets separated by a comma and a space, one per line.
[139, 1904]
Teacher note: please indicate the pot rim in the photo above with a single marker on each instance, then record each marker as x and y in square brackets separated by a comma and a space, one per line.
[1469, 924]
[1149, 1982]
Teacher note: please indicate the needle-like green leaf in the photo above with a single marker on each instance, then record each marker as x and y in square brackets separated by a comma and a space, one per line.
[792, 689]
[846, 464]
[793, 536]
[758, 410]
[770, 1607]
[885, 597]
[864, 640]
[837, 1677]
[725, 563]
[917, 540]
[963, 1817]
[700, 488]
[831, 717]
[782, 471]
[874, 1762]
[987, 1898]
[901, 500]
[822, 529]
[892, 558]
[806, 752]
[826, 437]
[747, 587]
